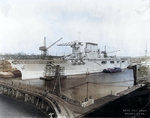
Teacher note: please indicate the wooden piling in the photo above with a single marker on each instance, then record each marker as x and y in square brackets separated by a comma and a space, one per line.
[135, 74]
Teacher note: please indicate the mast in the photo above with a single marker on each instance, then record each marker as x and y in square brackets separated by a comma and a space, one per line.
[146, 55]
[146, 50]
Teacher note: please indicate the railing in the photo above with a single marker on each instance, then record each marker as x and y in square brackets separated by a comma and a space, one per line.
[23, 86]
[31, 61]
[38, 90]
[29, 88]
[37, 61]
[71, 101]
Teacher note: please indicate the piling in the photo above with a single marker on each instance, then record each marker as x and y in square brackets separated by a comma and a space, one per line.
[135, 74]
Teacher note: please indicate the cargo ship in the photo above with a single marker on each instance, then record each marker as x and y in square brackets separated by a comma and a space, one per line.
[85, 58]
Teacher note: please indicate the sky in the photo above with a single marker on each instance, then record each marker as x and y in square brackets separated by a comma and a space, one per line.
[117, 24]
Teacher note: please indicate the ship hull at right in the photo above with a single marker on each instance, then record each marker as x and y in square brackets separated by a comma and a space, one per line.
[86, 58]
[93, 65]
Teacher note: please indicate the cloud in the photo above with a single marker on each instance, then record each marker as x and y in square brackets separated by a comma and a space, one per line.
[4, 7]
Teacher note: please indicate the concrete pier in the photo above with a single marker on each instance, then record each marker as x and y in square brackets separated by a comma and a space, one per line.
[45, 101]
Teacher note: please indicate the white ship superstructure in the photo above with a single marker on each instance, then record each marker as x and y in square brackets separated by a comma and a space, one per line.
[85, 58]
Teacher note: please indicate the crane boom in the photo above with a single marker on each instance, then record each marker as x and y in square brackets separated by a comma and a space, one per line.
[113, 51]
[44, 49]
[67, 44]
[53, 43]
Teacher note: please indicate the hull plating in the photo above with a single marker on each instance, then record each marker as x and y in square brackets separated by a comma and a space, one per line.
[37, 69]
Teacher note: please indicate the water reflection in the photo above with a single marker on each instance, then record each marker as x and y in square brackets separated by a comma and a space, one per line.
[97, 85]
[12, 108]
[114, 78]
[76, 88]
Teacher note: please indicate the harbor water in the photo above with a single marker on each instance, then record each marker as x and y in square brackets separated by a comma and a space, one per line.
[12, 108]
[75, 87]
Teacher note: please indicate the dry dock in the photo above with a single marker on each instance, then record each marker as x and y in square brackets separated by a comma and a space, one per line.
[41, 93]
[77, 109]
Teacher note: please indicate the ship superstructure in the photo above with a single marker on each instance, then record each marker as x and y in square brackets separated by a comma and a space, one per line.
[85, 58]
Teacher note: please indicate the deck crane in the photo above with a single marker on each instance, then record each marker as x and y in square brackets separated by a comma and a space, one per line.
[74, 44]
[105, 53]
[113, 51]
[45, 49]
[76, 56]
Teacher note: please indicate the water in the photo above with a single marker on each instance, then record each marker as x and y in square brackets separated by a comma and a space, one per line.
[77, 88]
[97, 85]
[12, 108]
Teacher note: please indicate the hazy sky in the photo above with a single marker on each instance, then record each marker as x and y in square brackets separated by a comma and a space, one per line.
[119, 24]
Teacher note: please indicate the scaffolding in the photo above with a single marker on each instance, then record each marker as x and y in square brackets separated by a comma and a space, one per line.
[55, 72]
[52, 70]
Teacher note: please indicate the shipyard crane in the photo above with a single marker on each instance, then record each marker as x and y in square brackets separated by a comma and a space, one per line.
[73, 43]
[113, 51]
[45, 49]
[76, 55]
[105, 53]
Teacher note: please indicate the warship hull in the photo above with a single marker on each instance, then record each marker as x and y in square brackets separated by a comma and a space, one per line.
[85, 58]
[33, 69]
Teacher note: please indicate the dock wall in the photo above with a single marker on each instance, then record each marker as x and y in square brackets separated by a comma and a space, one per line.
[48, 103]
